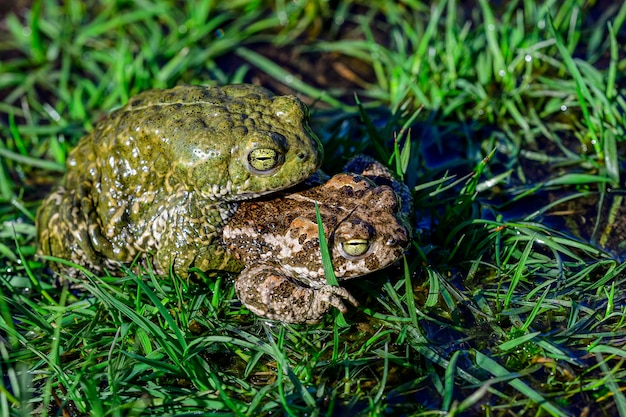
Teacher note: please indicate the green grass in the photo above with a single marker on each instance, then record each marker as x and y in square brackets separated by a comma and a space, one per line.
[508, 123]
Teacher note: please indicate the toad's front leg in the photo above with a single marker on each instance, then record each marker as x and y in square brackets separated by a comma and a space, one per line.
[267, 291]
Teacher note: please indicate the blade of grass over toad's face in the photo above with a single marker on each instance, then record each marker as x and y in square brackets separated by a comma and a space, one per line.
[326, 258]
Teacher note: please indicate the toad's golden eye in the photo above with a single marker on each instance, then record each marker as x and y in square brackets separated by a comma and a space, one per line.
[263, 160]
[354, 248]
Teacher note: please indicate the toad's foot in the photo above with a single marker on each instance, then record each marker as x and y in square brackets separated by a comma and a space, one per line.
[267, 291]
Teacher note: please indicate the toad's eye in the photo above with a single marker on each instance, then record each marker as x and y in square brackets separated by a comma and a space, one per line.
[355, 248]
[264, 160]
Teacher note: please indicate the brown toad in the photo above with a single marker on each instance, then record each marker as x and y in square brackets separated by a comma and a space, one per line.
[164, 174]
[277, 241]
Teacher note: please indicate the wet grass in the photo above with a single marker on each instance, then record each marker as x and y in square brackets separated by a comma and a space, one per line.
[504, 121]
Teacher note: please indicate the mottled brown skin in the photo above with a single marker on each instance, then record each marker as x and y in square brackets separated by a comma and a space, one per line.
[277, 241]
[166, 172]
